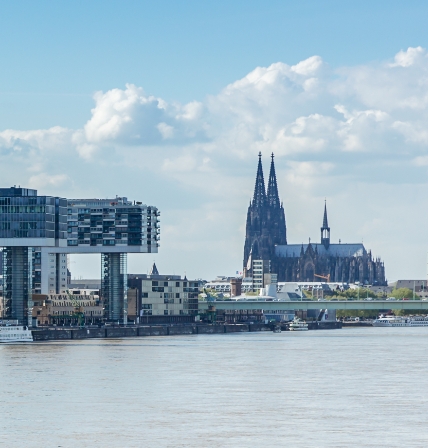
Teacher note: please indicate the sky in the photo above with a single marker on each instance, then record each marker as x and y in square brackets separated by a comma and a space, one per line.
[169, 103]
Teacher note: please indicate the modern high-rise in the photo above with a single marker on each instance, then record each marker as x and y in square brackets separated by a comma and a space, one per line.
[37, 233]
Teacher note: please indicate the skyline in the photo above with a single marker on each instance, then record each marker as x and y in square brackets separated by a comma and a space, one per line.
[175, 117]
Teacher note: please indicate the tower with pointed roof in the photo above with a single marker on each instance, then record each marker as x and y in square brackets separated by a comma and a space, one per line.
[325, 229]
[154, 270]
[266, 226]
[266, 240]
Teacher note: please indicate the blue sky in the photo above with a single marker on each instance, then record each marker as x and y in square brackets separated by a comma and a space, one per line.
[55, 54]
[185, 133]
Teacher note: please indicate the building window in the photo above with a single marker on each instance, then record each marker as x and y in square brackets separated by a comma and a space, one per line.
[165, 283]
[165, 312]
[177, 295]
[177, 284]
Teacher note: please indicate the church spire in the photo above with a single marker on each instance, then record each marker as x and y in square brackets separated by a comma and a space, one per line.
[272, 191]
[154, 270]
[325, 220]
[259, 199]
[325, 229]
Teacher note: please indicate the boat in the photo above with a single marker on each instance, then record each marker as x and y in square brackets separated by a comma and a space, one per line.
[397, 321]
[298, 325]
[12, 332]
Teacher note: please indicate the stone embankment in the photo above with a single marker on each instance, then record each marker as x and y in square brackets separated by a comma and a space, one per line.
[364, 323]
[58, 334]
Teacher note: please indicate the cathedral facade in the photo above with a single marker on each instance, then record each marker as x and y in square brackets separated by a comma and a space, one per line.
[266, 239]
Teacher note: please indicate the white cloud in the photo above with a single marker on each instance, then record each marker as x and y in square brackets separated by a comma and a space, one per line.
[408, 57]
[44, 180]
[345, 134]
[52, 139]
[166, 130]
[126, 115]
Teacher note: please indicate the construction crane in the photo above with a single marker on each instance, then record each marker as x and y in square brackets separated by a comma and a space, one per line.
[325, 277]
[78, 309]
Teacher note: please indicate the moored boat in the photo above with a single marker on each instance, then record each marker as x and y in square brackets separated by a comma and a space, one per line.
[15, 333]
[298, 325]
[398, 321]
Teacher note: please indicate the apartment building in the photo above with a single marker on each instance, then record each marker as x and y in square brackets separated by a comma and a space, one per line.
[163, 295]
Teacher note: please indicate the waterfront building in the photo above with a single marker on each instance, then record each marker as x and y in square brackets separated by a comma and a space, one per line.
[163, 295]
[58, 309]
[225, 285]
[266, 242]
[37, 233]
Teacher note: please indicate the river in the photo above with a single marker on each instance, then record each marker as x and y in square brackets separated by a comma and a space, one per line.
[338, 388]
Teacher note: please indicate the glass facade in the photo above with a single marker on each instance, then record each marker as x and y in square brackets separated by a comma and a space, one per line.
[23, 214]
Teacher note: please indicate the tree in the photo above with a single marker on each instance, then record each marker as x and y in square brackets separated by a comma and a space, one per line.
[357, 313]
[401, 293]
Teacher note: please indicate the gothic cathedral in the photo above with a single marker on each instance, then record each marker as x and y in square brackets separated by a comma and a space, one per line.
[266, 239]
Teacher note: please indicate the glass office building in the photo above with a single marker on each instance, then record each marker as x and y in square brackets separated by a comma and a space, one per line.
[26, 220]
[23, 214]
[114, 228]
[38, 232]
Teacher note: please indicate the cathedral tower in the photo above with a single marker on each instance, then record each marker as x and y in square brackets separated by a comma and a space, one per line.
[266, 225]
[325, 229]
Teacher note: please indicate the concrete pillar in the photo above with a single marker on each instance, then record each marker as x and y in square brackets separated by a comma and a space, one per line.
[17, 284]
[114, 286]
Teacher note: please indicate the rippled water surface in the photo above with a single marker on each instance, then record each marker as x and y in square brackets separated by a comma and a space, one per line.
[338, 388]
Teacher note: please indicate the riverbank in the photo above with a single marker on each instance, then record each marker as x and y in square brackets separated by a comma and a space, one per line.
[59, 334]
[55, 333]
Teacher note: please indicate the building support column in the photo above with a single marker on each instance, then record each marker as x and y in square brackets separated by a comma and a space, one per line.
[17, 284]
[114, 286]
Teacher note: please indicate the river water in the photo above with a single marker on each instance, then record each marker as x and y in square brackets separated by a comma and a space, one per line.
[338, 388]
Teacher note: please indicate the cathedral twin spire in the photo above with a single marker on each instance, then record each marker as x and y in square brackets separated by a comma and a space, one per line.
[260, 198]
[266, 226]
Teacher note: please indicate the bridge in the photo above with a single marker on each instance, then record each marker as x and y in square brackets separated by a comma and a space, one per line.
[305, 305]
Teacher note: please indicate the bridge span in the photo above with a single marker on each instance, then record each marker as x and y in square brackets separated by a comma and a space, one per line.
[305, 305]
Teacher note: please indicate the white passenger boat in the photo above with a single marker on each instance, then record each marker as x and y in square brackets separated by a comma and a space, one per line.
[298, 325]
[15, 333]
[397, 321]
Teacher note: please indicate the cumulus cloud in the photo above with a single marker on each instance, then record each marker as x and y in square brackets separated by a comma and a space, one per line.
[53, 139]
[334, 132]
[408, 57]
